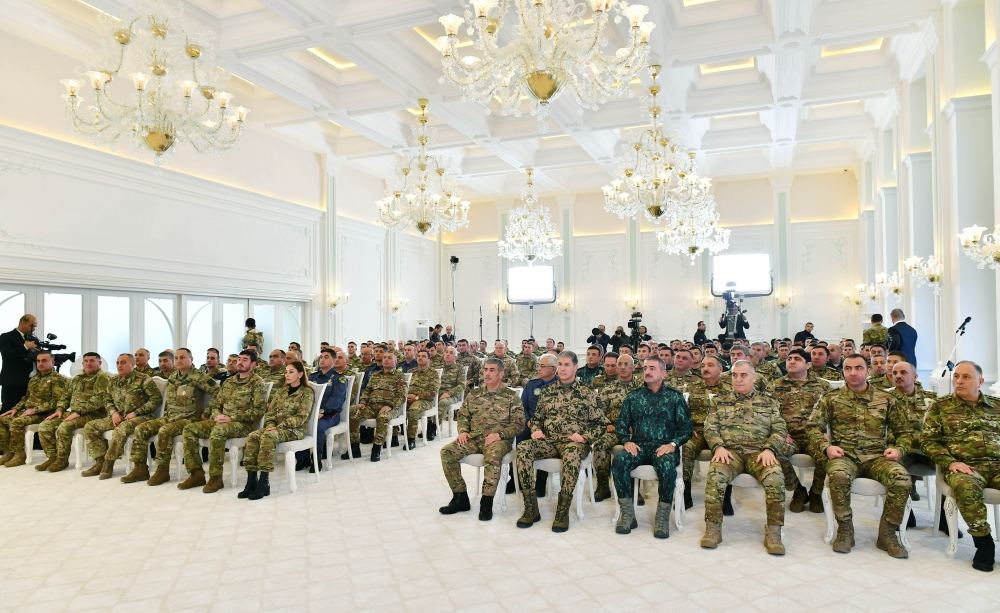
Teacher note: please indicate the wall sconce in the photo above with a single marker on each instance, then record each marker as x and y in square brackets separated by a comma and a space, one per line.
[339, 299]
[566, 305]
[703, 302]
[783, 301]
[924, 271]
[857, 296]
[632, 303]
[501, 305]
[399, 305]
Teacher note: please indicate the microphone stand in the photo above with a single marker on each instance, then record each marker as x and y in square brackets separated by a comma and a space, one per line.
[949, 365]
[481, 321]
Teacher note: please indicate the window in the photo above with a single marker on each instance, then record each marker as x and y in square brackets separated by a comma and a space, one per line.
[263, 314]
[234, 314]
[291, 324]
[199, 327]
[158, 332]
[63, 316]
[113, 326]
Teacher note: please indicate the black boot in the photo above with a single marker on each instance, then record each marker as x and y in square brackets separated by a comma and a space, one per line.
[303, 460]
[395, 440]
[432, 430]
[911, 521]
[485, 508]
[250, 486]
[510, 489]
[985, 553]
[459, 502]
[263, 487]
[727, 502]
[541, 480]
[943, 523]
[640, 502]
[319, 466]
[367, 435]
[688, 500]
[376, 452]
[355, 451]
[411, 444]
[914, 494]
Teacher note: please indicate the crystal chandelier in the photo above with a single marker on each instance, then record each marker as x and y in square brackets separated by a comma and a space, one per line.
[551, 46]
[924, 271]
[690, 232]
[982, 249]
[423, 196]
[156, 82]
[530, 235]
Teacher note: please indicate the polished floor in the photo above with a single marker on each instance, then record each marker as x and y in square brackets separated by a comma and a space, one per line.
[369, 537]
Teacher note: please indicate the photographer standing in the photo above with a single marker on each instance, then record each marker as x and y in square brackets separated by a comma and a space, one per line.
[15, 351]
[599, 337]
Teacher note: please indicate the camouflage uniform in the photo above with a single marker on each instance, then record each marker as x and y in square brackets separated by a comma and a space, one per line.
[253, 337]
[527, 365]
[87, 395]
[287, 412]
[586, 374]
[354, 362]
[453, 383]
[424, 385]
[511, 375]
[383, 389]
[858, 424]
[218, 370]
[746, 425]
[916, 408]
[968, 432]
[483, 412]
[242, 400]
[135, 393]
[797, 399]
[760, 384]
[769, 370]
[275, 376]
[182, 407]
[883, 382]
[680, 382]
[146, 370]
[699, 405]
[474, 378]
[877, 334]
[44, 394]
[609, 398]
[436, 362]
[828, 372]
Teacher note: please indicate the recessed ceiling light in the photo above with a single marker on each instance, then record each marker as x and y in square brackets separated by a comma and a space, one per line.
[728, 66]
[328, 57]
[865, 47]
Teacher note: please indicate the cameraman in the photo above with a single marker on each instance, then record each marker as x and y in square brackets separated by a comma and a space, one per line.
[600, 338]
[16, 352]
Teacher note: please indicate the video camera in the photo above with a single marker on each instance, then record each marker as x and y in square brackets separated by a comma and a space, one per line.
[633, 324]
[47, 345]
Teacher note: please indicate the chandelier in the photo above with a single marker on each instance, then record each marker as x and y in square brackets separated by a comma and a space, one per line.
[924, 271]
[423, 196]
[982, 249]
[551, 46]
[691, 231]
[157, 83]
[530, 235]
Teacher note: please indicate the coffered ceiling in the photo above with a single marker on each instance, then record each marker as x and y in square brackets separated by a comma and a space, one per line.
[756, 86]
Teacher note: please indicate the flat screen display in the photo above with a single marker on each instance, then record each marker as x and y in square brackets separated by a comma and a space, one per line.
[745, 273]
[531, 285]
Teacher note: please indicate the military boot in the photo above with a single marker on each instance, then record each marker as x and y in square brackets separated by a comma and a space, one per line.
[45, 465]
[530, 515]
[18, 459]
[541, 481]
[139, 472]
[772, 540]
[6, 457]
[626, 518]
[688, 500]
[799, 499]
[195, 479]
[888, 540]
[844, 540]
[985, 555]
[108, 469]
[376, 452]
[713, 535]
[816, 502]
[661, 521]
[727, 502]
[411, 443]
[214, 485]
[250, 486]
[263, 487]
[162, 474]
[94, 470]
[603, 491]
[459, 503]
[432, 429]
[485, 508]
[561, 521]
[355, 452]
[58, 465]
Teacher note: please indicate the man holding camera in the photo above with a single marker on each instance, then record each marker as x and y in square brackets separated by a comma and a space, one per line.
[16, 347]
[599, 337]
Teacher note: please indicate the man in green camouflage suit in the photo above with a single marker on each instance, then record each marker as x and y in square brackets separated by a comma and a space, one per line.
[592, 367]
[609, 371]
[610, 397]
[877, 334]
[914, 399]
[699, 404]
[234, 412]
[490, 418]
[451, 392]
[132, 399]
[510, 373]
[526, 363]
[746, 433]
[797, 393]
[682, 375]
[212, 365]
[381, 400]
[181, 408]
[275, 373]
[353, 359]
[819, 357]
[962, 435]
[652, 425]
[45, 390]
[858, 417]
[473, 378]
[142, 362]
[254, 338]
[566, 423]
[759, 352]
[85, 400]
[424, 386]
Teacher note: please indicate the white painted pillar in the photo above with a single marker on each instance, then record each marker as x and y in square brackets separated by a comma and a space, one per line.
[781, 200]
[992, 60]
[565, 204]
[919, 304]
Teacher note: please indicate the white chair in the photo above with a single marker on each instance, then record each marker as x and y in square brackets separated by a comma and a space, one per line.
[800, 462]
[161, 384]
[342, 429]
[646, 472]
[478, 461]
[860, 487]
[553, 466]
[397, 421]
[453, 409]
[289, 448]
[433, 411]
[990, 497]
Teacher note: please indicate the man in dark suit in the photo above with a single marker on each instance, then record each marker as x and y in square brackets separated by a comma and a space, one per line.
[16, 354]
[902, 336]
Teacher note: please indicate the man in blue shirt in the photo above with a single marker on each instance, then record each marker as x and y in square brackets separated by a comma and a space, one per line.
[529, 398]
[333, 372]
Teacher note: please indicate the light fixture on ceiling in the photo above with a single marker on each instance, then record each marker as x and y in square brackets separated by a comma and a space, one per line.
[530, 235]
[423, 196]
[172, 91]
[551, 48]
[983, 249]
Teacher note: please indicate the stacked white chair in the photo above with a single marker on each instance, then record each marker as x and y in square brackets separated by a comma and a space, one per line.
[289, 448]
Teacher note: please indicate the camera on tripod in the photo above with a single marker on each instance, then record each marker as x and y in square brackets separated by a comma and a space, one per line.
[47, 345]
[634, 320]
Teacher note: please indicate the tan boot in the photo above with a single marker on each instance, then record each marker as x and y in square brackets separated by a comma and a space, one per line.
[560, 523]
[45, 465]
[195, 479]
[214, 485]
[107, 470]
[888, 541]
[6, 457]
[94, 470]
[18, 460]
[162, 475]
[139, 472]
[530, 515]
[845, 537]
[772, 540]
[58, 465]
[713, 535]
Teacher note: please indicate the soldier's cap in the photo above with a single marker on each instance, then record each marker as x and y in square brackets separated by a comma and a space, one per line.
[802, 353]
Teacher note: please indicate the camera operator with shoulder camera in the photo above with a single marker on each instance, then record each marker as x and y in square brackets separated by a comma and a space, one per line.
[734, 320]
[16, 350]
[599, 337]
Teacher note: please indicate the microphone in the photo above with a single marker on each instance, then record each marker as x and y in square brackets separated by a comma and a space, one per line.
[961, 329]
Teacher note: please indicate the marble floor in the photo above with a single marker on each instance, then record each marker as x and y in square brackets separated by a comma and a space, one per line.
[369, 537]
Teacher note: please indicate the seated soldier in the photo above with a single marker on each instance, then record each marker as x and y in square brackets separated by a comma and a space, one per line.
[466, 357]
[682, 376]
[142, 362]
[132, 399]
[858, 417]
[652, 425]
[879, 375]
[420, 397]
[381, 400]
[699, 404]
[510, 373]
[233, 413]
[275, 372]
[545, 375]
[490, 417]
[592, 367]
[962, 435]
[820, 366]
[85, 399]
[331, 369]
[166, 364]
[452, 386]
[759, 352]
[746, 433]
[212, 366]
[181, 408]
[610, 397]
[912, 397]
[409, 358]
[567, 421]
[609, 373]
[526, 363]
[45, 390]
[737, 353]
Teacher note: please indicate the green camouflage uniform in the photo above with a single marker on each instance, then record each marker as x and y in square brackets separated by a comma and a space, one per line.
[828, 372]
[87, 396]
[276, 376]
[858, 423]
[511, 375]
[678, 381]
[242, 400]
[609, 398]
[436, 362]
[883, 382]
[586, 374]
[797, 400]
[561, 411]
[769, 370]
[453, 383]
[916, 407]
[746, 425]
[182, 407]
[146, 370]
[424, 385]
[877, 334]
[136, 393]
[527, 365]
[218, 370]
[474, 378]
[44, 394]
[383, 389]
[285, 420]
[483, 412]
[967, 432]
[699, 405]
[253, 337]
[354, 362]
